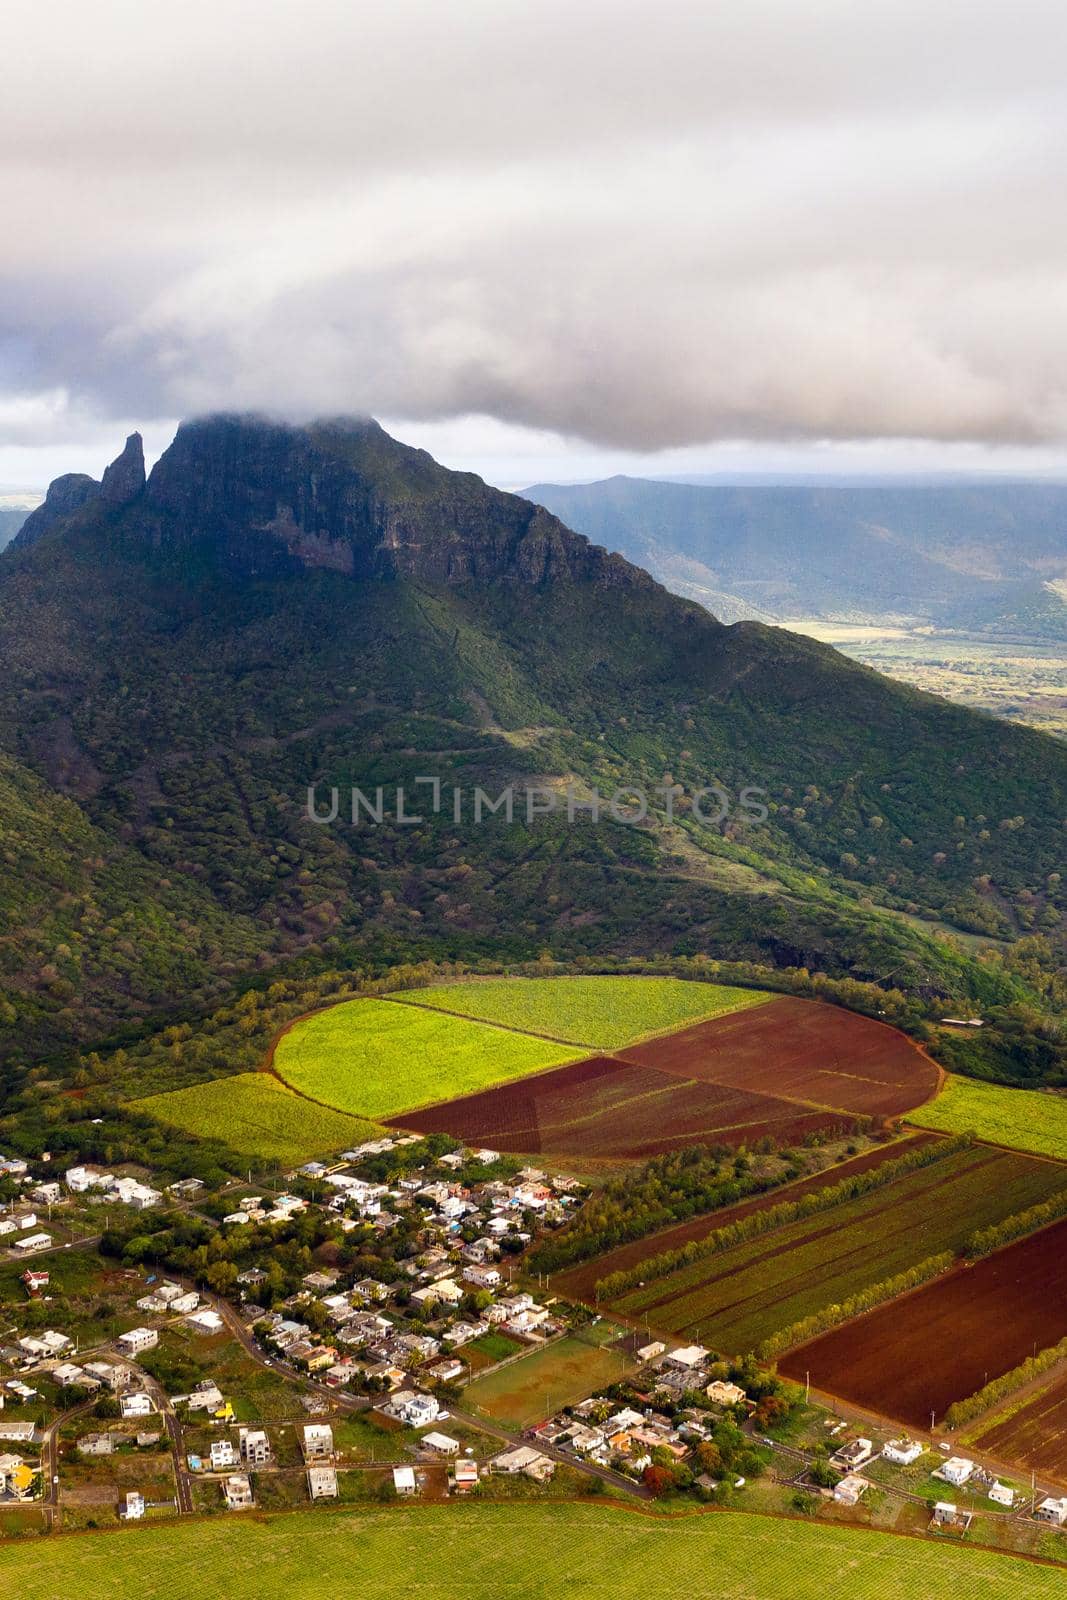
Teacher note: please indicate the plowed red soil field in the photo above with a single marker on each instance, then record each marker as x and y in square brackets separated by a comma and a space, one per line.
[580, 1282]
[782, 1070]
[1035, 1438]
[801, 1050]
[917, 1355]
[612, 1109]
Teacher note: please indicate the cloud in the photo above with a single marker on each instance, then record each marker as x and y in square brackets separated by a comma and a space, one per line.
[645, 226]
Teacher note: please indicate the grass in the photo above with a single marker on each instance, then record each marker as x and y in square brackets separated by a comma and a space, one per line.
[737, 1298]
[532, 1388]
[600, 1013]
[526, 1551]
[258, 1116]
[376, 1059]
[1024, 1119]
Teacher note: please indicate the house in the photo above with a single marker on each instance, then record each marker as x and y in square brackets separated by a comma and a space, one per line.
[222, 1455]
[136, 1404]
[71, 1376]
[1001, 1495]
[944, 1513]
[649, 1352]
[441, 1444]
[46, 1194]
[95, 1444]
[206, 1321]
[33, 1242]
[465, 1476]
[417, 1410]
[112, 1377]
[134, 1506]
[526, 1460]
[16, 1430]
[482, 1277]
[185, 1303]
[849, 1491]
[902, 1452]
[16, 1478]
[956, 1470]
[237, 1492]
[80, 1180]
[318, 1442]
[404, 1480]
[725, 1394]
[1054, 1511]
[852, 1455]
[686, 1357]
[186, 1188]
[137, 1340]
[254, 1446]
[322, 1483]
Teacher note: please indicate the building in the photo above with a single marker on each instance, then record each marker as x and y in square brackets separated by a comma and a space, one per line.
[16, 1478]
[465, 1476]
[956, 1470]
[134, 1506]
[16, 1430]
[725, 1394]
[137, 1340]
[136, 1404]
[318, 1442]
[852, 1455]
[1054, 1511]
[944, 1513]
[33, 1242]
[237, 1492]
[404, 1480]
[223, 1455]
[686, 1357]
[95, 1444]
[441, 1444]
[1001, 1495]
[322, 1483]
[850, 1490]
[902, 1452]
[649, 1352]
[254, 1446]
[526, 1460]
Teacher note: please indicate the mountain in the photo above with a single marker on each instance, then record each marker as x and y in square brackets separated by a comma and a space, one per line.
[277, 607]
[962, 555]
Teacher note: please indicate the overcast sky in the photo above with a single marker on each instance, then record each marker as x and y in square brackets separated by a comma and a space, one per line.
[545, 239]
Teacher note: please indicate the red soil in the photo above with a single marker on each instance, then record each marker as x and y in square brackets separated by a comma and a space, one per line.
[819, 1055]
[610, 1108]
[1035, 1438]
[580, 1282]
[918, 1354]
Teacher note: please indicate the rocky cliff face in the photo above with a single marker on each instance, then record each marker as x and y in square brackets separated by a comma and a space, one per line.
[66, 495]
[265, 499]
[124, 478]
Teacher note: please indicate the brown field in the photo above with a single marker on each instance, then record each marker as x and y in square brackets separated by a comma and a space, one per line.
[1034, 1439]
[609, 1108]
[580, 1282]
[918, 1354]
[779, 1070]
[800, 1050]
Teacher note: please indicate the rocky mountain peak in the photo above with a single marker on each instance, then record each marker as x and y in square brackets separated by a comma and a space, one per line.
[124, 479]
[65, 496]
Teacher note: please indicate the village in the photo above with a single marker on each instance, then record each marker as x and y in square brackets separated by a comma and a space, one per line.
[365, 1329]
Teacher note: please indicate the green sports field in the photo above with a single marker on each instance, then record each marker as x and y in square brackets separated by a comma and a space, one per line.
[526, 1552]
[257, 1116]
[533, 1387]
[1025, 1119]
[600, 1013]
[375, 1058]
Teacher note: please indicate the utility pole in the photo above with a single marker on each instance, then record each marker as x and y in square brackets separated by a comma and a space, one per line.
[807, 1386]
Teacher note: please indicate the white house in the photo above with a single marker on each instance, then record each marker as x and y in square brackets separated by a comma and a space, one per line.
[137, 1340]
[420, 1411]
[1001, 1495]
[136, 1404]
[441, 1444]
[902, 1452]
[34, 1241]
[725, 1394]
[318, 1442]
[404, 1480]
[134, 1505]
[850, 1489]
[956, 1470]
[237, 1492]
[222, 1455]
[686, 1357]
[254, 1446]
[1054, 1511]
[322, 1483]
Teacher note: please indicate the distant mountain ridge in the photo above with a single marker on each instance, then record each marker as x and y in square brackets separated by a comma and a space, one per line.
[275, 607]
[956, 554]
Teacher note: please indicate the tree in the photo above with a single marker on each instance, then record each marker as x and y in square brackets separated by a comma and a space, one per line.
[657, 1480]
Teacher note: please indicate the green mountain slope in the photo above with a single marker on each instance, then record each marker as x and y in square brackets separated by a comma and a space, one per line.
[280, 607]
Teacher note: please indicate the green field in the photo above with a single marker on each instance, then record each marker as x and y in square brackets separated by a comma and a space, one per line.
[376, 1058]
[1025, 1119]
[532, 1388]
[601, 1013]
[737, 1298]
[527, 1552]
[255, 1115]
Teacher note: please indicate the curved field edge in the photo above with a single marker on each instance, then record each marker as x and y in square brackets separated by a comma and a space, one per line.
[527, 1552]
[1021, 1119]
[377, 1059]
[599, 1013]
[258, 1117]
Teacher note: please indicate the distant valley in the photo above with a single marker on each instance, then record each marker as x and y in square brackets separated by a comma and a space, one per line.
[959, 589]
